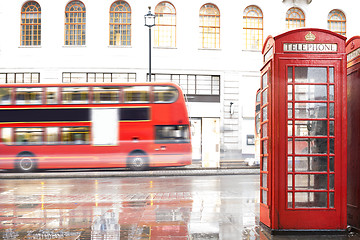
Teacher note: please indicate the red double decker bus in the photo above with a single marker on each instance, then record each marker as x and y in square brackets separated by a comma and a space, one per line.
[135, 125]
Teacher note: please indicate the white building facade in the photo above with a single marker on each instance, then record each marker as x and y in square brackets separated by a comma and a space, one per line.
[212, 49]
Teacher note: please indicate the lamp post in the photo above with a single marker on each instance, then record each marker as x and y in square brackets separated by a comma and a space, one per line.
[149, 22]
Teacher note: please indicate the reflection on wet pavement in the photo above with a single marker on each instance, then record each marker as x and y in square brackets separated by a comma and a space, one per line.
[212, 207]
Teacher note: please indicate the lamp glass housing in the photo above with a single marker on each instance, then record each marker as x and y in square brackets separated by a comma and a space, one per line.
[149, 19]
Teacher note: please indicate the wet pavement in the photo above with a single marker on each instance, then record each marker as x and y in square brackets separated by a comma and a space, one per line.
[170, 207]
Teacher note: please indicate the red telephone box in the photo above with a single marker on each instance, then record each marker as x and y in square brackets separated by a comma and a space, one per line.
[353, 84]
[303, 137]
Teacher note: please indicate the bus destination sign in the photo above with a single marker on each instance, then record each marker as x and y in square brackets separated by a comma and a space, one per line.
[310, 47]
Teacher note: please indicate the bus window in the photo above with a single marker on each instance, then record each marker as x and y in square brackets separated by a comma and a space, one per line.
[165, 94]
[75, 95]
[25, 96]
[52, 95]
[75, 135]
[52, 135]
[105, 94]
[6, 136]
[172, 134]
[29, 136]
[136, 94]
[134, 114]
[5, 96]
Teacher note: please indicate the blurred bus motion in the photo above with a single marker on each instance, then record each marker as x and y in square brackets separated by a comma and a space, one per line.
[93, 126]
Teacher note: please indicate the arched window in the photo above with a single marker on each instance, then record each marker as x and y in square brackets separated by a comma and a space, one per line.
[120, 24]
[165, 29]
[295, 18]
[337, 22]
[75, 23]
[31, 24]
[253, 28]
[209, 26]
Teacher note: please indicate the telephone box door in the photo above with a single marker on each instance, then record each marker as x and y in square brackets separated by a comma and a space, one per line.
[311, 178]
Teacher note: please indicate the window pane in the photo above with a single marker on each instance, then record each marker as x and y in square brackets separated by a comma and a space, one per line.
[134, 114]
[31, 24]
[290, 128]
[308, 164]
[290, 92]
[337, 22]
[29, 136]
[6, 134]
[331, 110]
[165, 29]
[264, 196]
[309, 128]
[28, 96]
[331, 75]
[264, 164]
[264, 81]
[311, 145]
[105, 94]
[264, 180]
[290, 74]
[295, 18]
[209, 27]
[331, 200]
[10, 78]
[310, 110]
[75, 95]
[52, 135]
[172, 134]
[290, 164]
[120, 24]
[264, 130]
[310, 92]
[290, 199]
[311, 181]
[75, 135]
[310, 199]
[203, 85]
[264, 147]
[331, 93]
[52, 95]
[264, 113]
[5, 96]
[164, 94]
[253, 27]
[310, 74]
[265, 97]
[290, 146]
[75, 18]
[290, 110]
[136, 94]
[290, 181]
[332, 162]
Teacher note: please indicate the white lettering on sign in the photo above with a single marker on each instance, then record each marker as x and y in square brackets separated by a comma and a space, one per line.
[310, 47]
[353, 54]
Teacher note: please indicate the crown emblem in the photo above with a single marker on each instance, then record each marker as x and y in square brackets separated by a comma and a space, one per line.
[310, 37]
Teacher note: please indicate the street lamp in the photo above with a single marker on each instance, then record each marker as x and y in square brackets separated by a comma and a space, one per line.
[149, 22]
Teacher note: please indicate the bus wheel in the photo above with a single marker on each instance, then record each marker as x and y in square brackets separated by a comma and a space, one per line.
[138, 161]
[25, 162]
